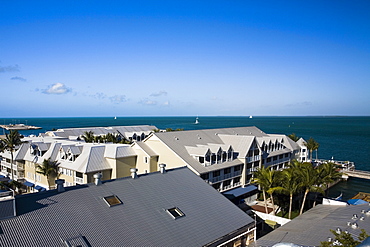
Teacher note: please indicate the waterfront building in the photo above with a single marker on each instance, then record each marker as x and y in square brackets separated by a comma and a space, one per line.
[303, 152]
[167, 208]
[224, 158]
[77, 160]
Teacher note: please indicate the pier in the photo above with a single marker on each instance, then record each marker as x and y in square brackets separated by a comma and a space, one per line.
[356, 173]
[348, 169]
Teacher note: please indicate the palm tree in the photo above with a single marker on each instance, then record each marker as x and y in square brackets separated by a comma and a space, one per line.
[309, 181]
[267, 179]
[290, 184]
[312, 145]
[49, 169]
[293, 137]
[11, 142]
[88, 136]
[328, 173]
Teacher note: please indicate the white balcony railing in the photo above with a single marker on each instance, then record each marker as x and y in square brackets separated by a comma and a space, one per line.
[224, 177]
[253, 158]
[79, 180]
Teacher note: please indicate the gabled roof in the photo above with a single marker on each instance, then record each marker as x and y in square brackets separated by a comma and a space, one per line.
[90, 160]
[143, 146]
[80, 213]
[116, 151]
[239, 138]
[301, 142]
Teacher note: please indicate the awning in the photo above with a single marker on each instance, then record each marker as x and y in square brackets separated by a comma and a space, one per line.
[38, 187]
[356, 201]
[29, 184]
[240, 191]
[2, 176]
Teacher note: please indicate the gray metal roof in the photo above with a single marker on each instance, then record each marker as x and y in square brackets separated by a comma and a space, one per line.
[80, 214]
[146, 129]
[312, 227]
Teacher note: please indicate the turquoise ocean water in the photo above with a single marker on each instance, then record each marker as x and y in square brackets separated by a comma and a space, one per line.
[344, 138]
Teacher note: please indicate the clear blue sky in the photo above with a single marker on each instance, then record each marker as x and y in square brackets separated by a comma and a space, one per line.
[184, 58]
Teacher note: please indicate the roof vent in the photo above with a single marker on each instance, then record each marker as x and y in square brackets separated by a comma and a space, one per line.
[363, 211]
[133, 173]
[354, 216]
[338, 230]
[362, 218]
[98, 177]
[368, 213]
[348, 223]
[162, 168]
[354, 225]
[60, 187]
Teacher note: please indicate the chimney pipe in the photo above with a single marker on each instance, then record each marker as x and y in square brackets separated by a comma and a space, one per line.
[60, 186]
[133, 173]
[162, 168]
[97, 177]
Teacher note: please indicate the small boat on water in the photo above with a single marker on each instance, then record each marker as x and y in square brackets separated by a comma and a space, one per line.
[250, 116]
[196, 121]
[115, 118]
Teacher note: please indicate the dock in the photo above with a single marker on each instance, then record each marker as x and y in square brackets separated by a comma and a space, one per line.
[356, 173]
[348, 169]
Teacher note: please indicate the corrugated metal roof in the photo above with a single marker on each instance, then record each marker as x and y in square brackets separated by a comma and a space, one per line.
[312, 227]
[115, 151]
[7, 209]
[146, 129]
[47, 218]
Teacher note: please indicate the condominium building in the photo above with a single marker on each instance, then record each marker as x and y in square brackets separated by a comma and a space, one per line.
[225, 158]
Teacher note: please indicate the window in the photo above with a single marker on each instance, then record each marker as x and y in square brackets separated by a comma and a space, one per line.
[146, 160]
[216, 173]
[227, 183]
[249, 165]
[175, 212]
[205, 176]
[201, 160]
[227, 170]
[112, 200]
[237, 168]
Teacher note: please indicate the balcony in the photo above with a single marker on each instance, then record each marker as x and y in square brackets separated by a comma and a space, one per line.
[79, 180]
[228, 187]
[253, 158]
[225, 176]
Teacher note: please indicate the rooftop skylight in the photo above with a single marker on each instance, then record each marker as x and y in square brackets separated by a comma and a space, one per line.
[112, 200]
[175, 212]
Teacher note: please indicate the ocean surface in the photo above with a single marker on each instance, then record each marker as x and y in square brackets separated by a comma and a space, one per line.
[344, 138]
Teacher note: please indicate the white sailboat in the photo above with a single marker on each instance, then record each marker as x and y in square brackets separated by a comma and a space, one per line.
[250, 116]
[115, 118]
[197, 120]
